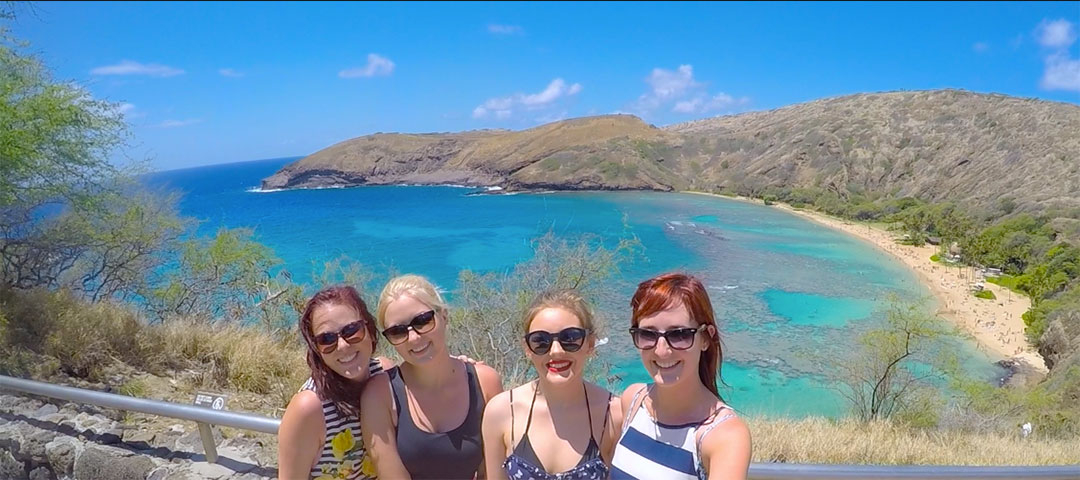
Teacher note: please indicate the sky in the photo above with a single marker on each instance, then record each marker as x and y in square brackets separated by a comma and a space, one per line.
[204, 83]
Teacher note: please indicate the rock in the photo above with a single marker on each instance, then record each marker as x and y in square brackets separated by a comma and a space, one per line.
[11, 438]
[41, 473]
[134, 437]
[11, 468]
[210, 471]
[110, 436]
[192, 442]
[176, 428]
[107, 463]
[61, 454]
[160, 473]
[44, 411]
[33, 448]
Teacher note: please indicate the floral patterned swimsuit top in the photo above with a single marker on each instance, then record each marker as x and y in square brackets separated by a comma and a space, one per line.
[343, 455]
[523, 464]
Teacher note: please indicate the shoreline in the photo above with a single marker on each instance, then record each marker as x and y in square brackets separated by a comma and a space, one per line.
[996, 325]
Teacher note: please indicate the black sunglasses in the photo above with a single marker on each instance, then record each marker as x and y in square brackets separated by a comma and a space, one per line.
[421, 324]
[352, 333]
[571, 339]
[678, 339]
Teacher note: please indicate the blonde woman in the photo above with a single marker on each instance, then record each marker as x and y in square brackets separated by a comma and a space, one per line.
[422, 419]
[559, 426]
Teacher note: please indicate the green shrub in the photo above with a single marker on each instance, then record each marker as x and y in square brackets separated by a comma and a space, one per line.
[985, 294]
[935, 258]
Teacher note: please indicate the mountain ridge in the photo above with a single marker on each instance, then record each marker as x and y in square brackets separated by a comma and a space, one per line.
[936, 145]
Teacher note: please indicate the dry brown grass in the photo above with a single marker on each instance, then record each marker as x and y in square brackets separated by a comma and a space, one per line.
[43, 333]
[819, 440]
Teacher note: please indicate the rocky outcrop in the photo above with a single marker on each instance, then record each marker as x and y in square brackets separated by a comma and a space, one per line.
[45, 441]
[937, 145]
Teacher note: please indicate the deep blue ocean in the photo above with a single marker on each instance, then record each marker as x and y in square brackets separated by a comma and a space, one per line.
[785, 289]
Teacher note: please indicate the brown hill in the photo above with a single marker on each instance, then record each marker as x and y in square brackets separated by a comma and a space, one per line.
[936, 145]
[583, 153]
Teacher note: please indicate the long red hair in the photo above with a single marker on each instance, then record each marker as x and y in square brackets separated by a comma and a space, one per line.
[670, 290]
[344, 393]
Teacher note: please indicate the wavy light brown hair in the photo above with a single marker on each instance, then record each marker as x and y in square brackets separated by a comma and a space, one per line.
[565, 299]
[670, 290]
[344, 393]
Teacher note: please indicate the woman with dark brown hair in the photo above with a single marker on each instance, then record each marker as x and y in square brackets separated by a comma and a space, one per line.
[320, 431]
[678, 426]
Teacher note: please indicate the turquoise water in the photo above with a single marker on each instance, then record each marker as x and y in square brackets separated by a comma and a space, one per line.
[786, 290]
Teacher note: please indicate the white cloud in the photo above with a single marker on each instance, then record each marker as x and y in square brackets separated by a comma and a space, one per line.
[503, 107]
[377, 66]
[679, 89]
[980, 47]
[178, 123]
[1055, 33]
[128, 67]
[228, 72]
[128, 111]
[498, 29]
[1062, 73]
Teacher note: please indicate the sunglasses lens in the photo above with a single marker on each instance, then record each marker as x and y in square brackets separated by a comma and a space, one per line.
[571, 339]
[396, 334]
[424, 322]
[353, 332]
[324, 339]
[682, 338]
[539, 342]
[644, 339]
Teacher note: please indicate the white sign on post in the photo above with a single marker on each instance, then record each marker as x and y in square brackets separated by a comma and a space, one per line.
[213, 401]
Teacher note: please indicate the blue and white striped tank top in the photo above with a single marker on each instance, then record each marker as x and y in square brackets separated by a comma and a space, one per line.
[651, 450]
[354, 463]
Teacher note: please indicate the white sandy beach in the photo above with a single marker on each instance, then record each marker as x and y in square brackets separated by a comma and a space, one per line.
[996, 325]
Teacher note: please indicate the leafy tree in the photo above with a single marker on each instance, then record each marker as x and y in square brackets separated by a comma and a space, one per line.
[56, 138]
[882, 379]
[215, 278]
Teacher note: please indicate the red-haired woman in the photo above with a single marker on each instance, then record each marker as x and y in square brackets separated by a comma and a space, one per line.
[320, 432]
[678, 427]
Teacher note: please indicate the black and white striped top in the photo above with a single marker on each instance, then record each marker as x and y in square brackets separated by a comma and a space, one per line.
[335, 424]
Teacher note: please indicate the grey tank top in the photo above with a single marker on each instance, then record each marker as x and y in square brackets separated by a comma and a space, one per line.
[448, 455]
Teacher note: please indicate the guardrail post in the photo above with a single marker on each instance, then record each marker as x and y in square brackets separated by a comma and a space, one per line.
[208, 442]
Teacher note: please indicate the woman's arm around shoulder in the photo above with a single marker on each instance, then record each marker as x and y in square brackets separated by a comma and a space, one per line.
[490, 381]
[377, 423]
[612, 429]
[490, 386]
[496, 430]
[625, 400]
[301, 435]
[725, 450]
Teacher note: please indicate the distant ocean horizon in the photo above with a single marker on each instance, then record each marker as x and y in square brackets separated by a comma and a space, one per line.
[785, 289]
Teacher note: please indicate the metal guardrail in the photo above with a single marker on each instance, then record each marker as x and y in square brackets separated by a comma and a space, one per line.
[205, 417]
[758, 471]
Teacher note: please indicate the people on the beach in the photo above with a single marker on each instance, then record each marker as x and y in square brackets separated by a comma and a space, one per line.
[678, 426]
[320, 431]
[560, 425]
[423, 419]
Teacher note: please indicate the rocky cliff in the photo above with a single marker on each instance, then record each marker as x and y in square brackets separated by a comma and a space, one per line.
[936, 145]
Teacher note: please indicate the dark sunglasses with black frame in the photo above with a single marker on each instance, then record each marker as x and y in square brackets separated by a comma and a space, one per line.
[678, 339]
[421, 324]
[571, 339]
[352, 333]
